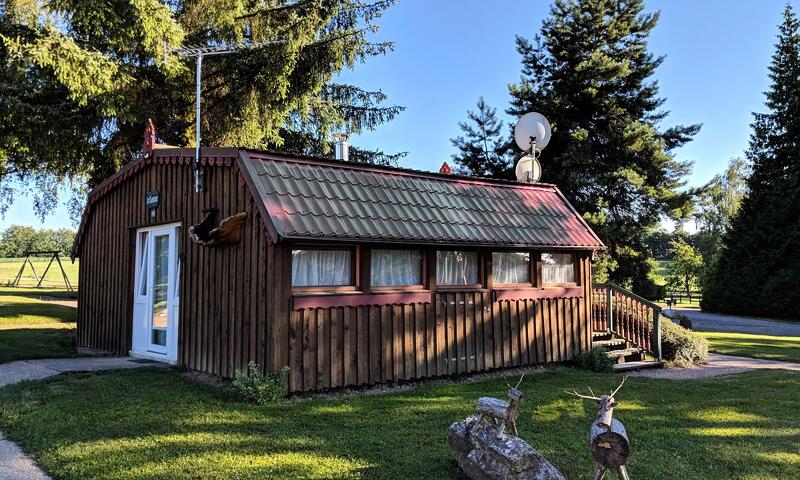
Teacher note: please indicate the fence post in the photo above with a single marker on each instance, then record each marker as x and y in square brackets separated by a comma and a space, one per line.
[609, 309]
[657, 334]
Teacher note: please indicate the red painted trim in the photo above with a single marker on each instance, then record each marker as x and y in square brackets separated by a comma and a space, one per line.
[355, 300]
[537, 293]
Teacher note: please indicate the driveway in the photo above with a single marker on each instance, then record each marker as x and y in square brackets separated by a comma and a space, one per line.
[713, 322]
[717, 365]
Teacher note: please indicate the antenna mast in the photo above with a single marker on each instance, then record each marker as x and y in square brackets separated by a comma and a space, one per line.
[199, 52]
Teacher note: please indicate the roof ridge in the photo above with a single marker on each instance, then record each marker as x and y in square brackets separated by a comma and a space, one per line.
[389, 170]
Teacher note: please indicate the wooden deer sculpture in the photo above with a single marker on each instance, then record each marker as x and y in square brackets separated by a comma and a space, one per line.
[500, 411]
[607, 436]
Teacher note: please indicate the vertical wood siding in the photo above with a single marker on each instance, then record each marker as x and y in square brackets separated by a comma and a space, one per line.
[235, 302]
[458, 333]
[224, 296]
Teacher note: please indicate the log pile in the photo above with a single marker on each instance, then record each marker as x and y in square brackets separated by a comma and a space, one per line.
[485, 452]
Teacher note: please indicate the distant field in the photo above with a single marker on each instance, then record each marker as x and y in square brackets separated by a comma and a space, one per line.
[9, 267]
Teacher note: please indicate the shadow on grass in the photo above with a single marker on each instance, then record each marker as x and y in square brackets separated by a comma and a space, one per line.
[31, 343]
[155, 423]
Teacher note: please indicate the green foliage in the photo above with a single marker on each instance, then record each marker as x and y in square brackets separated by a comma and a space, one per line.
[686, 268]
[591, 74]
[259, 388]
[758, 266]
[657, 241]
[681, 346]
[81, 77]
[596, 360]
[18, 239]
[481, 149]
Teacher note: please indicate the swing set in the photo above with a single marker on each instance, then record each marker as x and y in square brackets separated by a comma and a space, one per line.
[54, 255]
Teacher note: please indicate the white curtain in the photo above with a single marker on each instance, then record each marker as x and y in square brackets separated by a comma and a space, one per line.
[321, 268]
[511, 267]
[457, 268]
[396, 268]
[557, 268]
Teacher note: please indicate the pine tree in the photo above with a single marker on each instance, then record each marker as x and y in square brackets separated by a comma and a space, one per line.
[590, 73]
[481, 148]
[758, 270]
[81, 77]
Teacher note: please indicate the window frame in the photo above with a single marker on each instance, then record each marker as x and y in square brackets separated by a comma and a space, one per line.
[532, 257]
[540, 278]
[481, 258]
[354, 269]
[423, 270]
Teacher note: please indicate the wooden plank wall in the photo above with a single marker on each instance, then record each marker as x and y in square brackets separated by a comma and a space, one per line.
[224, 296]
[458, 333]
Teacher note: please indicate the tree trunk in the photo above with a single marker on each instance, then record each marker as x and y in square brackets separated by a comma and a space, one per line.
[610, 446]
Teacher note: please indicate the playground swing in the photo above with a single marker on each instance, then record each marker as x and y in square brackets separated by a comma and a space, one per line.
[54, 255]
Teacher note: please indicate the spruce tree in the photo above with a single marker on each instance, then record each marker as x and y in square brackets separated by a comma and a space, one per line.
[80, 78]
[589, 72]
[481, 148]
[758, 270]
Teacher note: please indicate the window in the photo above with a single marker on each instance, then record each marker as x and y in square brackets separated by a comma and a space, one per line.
[457, 268]
[394, 268]
[143, 255]
[557, 268]
[511, 267]
[322, 268]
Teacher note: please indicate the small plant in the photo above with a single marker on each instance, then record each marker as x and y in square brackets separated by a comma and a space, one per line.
[681, 346]
[258, 388]
[596, 360]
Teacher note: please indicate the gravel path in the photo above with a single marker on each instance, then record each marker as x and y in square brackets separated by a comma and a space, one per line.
[713, 322]
[717, 365]
[14, 464]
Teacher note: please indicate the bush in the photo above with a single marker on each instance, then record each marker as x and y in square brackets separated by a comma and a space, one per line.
[256, 387]
[596, 360]
[681, 346]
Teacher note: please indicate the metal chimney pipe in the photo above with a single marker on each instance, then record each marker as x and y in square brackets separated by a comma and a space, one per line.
[342, 147]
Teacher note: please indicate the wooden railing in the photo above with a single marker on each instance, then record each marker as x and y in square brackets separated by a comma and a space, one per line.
[628, 315]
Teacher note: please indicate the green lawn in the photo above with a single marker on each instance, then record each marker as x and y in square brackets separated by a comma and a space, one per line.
[154, 423]
[32, 328]
[754, 346]
[9, 267]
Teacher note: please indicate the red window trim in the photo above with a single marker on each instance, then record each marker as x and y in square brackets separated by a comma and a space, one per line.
[359, 299]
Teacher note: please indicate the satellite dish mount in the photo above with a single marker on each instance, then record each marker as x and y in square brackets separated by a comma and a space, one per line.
[531, 133]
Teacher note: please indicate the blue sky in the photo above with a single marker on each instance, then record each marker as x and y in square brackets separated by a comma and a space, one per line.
[450, 52]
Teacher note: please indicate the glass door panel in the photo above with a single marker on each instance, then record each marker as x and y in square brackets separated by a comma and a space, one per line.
[160, 310]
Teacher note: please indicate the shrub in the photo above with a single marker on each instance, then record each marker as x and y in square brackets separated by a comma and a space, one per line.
[256, 387]
[681, 346]
[596, 360]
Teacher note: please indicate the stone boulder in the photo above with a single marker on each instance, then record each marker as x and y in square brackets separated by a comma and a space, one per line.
[483, 453]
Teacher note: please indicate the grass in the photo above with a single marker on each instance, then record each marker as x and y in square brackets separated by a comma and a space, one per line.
[754, 346]
[32, 328]
[157, 423]
[9, 267]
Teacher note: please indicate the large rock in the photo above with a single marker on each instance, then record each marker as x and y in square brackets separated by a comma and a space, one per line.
[483, 453]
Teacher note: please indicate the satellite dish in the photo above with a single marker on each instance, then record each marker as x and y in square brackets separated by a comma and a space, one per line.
[532, 125]
[528, 170]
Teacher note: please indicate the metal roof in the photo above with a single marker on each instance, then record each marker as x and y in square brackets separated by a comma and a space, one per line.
[317, 199]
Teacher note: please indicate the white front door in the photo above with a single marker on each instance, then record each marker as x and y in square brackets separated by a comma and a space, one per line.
[156, 298]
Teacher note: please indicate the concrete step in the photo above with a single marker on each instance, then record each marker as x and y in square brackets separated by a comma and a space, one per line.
[630, 366]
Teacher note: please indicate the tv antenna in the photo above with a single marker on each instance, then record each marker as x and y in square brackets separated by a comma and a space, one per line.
[198, 52]
[532, 133]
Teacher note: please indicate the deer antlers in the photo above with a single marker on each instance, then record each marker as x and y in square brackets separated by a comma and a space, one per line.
[518, 383]
[593, 396]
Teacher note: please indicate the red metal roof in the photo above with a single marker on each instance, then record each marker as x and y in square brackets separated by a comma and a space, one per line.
[332, 200]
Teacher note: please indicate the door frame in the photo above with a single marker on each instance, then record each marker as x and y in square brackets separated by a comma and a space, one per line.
[141, 325]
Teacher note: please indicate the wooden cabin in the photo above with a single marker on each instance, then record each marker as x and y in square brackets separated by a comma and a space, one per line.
[348, 274]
